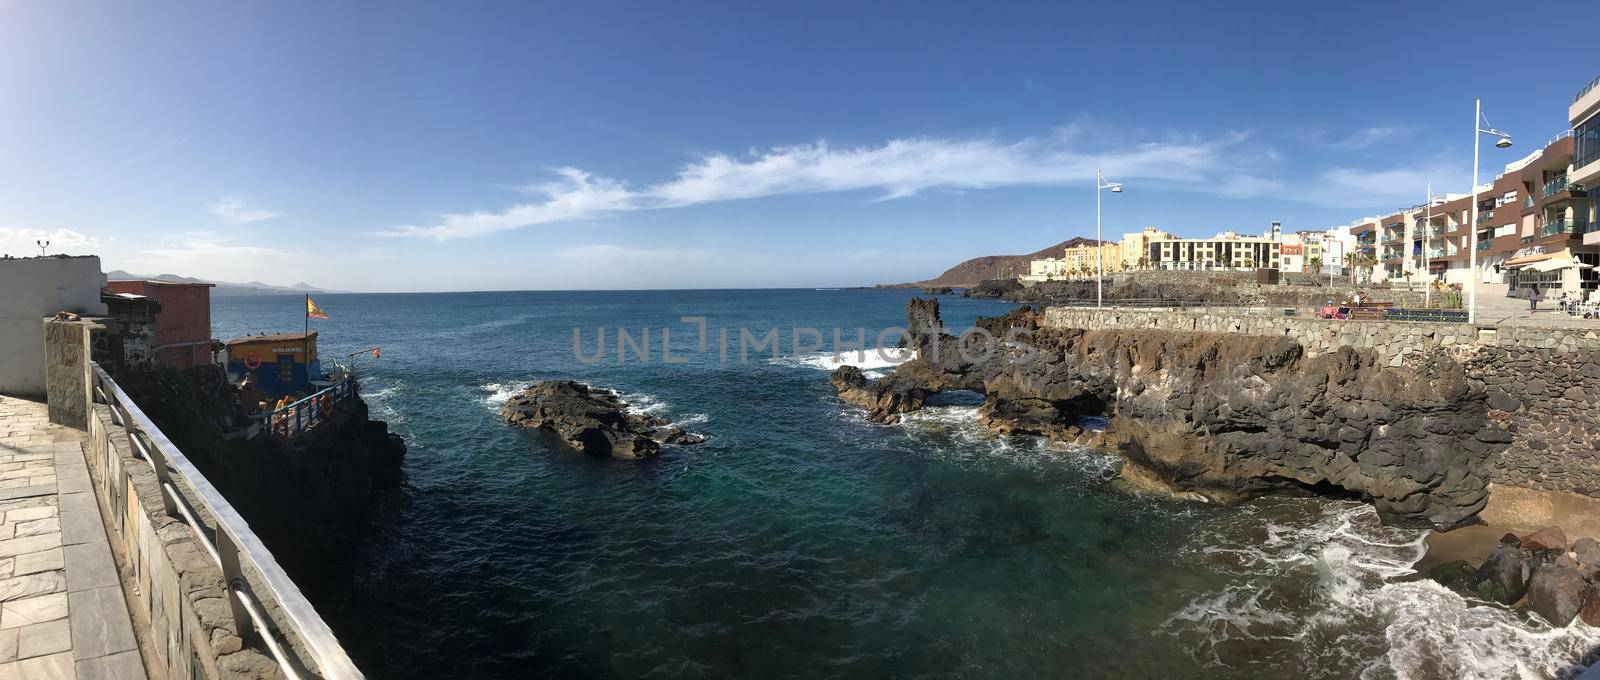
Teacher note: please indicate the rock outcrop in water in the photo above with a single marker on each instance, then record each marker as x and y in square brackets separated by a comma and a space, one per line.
[593, 421]
[1225, 417]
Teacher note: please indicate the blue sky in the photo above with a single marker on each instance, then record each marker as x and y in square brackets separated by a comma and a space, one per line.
[392, 146]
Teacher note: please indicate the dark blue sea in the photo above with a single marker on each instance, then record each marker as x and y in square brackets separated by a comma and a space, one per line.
[801, 541]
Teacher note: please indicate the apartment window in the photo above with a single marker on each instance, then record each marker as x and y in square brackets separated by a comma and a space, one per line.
[1586, 142]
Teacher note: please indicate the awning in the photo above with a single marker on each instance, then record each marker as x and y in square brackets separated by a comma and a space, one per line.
[1527, 260]
[1546, 262]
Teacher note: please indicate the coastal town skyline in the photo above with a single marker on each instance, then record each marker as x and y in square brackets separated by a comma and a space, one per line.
[394, 159]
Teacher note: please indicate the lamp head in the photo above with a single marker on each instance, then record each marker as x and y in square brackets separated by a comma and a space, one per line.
[1116, 188]
[1503, 142]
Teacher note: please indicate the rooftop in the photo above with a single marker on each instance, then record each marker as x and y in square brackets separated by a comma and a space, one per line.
[275, 337]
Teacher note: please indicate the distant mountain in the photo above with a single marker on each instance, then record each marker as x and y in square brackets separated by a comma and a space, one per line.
[225, 288]
[979, 269]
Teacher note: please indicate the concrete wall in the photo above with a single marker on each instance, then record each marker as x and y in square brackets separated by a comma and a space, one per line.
[67, 347]
[1543, 384]
[34, 288]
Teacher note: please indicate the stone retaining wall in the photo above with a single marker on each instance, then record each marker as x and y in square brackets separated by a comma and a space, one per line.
[180, 588]
[1542, 383]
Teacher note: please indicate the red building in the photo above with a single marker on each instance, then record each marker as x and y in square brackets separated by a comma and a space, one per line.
[183, 326]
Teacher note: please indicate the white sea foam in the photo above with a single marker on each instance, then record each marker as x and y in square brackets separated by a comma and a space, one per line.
[495, 395]
[1323, 595]
[872, 362]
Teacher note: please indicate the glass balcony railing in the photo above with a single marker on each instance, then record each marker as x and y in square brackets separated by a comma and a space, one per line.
[1562, 227]
[1485, 217]
[1484, 245]
[1528, 203]
[1555, 186]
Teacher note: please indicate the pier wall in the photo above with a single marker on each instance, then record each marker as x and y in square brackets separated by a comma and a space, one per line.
[1542, 384]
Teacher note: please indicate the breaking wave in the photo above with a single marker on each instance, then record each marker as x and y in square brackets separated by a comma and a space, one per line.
[1338, 598]
[872, 362]
[495, 395]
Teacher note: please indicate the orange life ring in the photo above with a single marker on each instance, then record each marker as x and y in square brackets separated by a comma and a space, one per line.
[325, 405]
[252, 361]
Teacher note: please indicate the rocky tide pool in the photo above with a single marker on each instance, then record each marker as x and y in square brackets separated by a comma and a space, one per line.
[801, 540]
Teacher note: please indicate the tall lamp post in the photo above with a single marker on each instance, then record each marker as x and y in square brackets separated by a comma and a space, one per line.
[1427, 267]
[1099, 245]
[1480, 126]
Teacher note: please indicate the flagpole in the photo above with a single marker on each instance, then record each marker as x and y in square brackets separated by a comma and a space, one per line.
[306, 339]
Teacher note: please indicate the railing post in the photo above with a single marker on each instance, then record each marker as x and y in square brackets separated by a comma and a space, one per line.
[158, 462]
[233, 580]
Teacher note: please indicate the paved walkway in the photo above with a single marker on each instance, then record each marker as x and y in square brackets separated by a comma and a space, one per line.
[62, 612]
[1495, 308]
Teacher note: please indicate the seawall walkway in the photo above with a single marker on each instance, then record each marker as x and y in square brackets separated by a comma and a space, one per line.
[63, 614]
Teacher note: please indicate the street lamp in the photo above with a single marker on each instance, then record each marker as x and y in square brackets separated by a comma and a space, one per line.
[42, 246]
[1099, 245]
[1479, 124]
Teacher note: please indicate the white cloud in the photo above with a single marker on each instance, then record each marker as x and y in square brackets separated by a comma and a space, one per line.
[1390, 188]
[233, 211]
[602, 255]
[1365, 137]
[207, 255]
[897, 168]
[17, 241]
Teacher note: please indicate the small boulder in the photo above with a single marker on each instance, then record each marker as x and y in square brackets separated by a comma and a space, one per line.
[1548, 538]
[1556, 592]
[1590, 611]
[1503, 577]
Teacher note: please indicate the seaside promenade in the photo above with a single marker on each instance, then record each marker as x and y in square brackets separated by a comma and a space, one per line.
[63, 614]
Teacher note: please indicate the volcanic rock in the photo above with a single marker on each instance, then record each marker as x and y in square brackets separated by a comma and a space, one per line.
[593, 421]
[1556, 592]
[1221, 415]
[1548, 538]
[1503, 577]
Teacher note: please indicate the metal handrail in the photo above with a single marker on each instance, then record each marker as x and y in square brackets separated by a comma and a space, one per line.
[235, 544]
[303, 415]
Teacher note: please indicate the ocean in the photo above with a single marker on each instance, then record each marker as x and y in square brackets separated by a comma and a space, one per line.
[801, 541]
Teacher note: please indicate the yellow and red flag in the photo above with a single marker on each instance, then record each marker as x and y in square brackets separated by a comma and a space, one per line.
[313, 311]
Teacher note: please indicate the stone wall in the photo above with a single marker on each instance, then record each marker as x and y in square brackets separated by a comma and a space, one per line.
[1549, 398]
[37, 287]
[1543, 384]
[178, 586]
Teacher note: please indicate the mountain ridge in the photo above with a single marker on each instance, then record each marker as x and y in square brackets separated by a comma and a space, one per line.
[224, 288]
[974, 271]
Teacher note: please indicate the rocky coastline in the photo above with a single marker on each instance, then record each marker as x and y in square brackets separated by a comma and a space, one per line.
[1541, 572]
[1214, 416]
[593, 421]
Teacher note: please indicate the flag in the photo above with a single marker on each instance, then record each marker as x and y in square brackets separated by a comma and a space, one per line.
[375, 351]
[313, 311]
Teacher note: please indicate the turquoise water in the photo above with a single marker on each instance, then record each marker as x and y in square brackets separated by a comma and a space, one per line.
[802, 541]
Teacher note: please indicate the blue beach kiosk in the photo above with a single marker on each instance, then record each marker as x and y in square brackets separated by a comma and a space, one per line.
[280, 364]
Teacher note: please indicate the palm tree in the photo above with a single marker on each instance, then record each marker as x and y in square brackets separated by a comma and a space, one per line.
[1316, 263]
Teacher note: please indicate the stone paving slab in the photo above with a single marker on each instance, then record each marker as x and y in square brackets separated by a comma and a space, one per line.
[62, 611]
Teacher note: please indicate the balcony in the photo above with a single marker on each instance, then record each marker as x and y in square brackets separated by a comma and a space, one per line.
[1484, 245]
[1527, 203]
[1555, 186]
[1562, 227]
[1485, 217]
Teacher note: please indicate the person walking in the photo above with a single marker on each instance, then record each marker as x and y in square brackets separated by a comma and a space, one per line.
[1533, 298]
